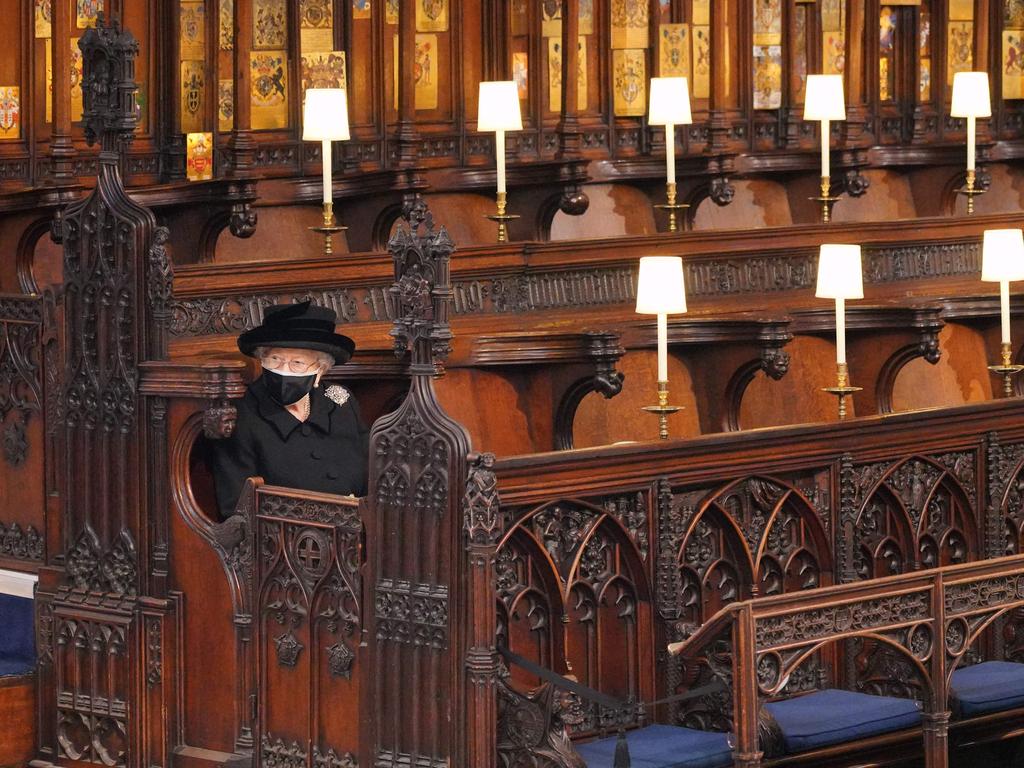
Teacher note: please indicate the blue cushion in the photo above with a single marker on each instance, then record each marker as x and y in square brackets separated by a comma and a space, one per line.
[987, 687]
[17, 633]
[662, 746]
[833, 716]
[16, 667]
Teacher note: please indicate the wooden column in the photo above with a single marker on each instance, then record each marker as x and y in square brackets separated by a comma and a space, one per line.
[747, 753]
[723, 94]
[935, 720]
[984, 62]
[242, 145]
[794, 112]
[856, 75]
[496, 32]
[483, 526]
[406, 137]
[569, 137]
[174, 150]
[62, 148]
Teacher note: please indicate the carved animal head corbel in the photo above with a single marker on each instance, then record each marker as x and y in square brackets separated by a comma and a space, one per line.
[928, 346]
[243, 220]
[721, 191]
[774, 362]
[855, 183]
[219, 420]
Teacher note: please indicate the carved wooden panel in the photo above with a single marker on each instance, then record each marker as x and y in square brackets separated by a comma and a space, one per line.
[93, 677]
[22, 429]
[307, 605]
[916, 513]
[574, 591]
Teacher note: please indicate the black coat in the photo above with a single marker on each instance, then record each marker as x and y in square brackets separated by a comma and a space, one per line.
[328, 452]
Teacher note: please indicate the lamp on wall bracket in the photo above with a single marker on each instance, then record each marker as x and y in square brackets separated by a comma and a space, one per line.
[670, 106]
[1002, 260]
[660, 291]
[840, 278]
[824, 102]
[325, 119]
[971, 100]
[499, 112]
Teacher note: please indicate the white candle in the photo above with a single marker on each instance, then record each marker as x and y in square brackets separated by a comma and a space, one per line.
[971, 131]
[662, 347]
[1004, 309]
[499, 155]
[326, 155]
[824, 148]
[840, 330]
[670, 152]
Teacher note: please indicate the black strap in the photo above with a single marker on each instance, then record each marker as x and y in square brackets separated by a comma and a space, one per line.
[603, 699]
[554, 678]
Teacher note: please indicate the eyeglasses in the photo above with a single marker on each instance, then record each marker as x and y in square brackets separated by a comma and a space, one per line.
[276, 362]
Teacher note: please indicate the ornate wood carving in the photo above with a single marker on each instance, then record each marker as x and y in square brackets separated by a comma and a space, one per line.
[307, 606]
[578, 561]
[533, 727]
[417, 480]
[112, 265]
[21, 372]
[20, 544]
[1004, 518]
[916, 513]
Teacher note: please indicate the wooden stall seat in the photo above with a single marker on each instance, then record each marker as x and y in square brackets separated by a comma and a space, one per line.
[833, 716]
[17, 672]
[929, 618]
[992, 686]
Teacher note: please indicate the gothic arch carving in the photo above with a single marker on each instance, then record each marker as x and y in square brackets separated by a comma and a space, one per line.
[26, 254]
[592, 573]
[923, 509]
[783, 542]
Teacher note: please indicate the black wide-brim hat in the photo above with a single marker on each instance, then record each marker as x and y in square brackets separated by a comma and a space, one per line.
[299, 326]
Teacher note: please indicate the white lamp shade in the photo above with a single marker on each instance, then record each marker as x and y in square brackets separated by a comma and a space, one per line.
[670, 101]
[660, 290]
[970, 95]
[325, 115]
[823, 98]
[499, 107]
[1002, 255]
[839, 272]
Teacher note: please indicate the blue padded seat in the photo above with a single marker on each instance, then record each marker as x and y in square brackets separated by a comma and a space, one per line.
[662, 746]
[17, 636]
[833, 716]
[987, 687]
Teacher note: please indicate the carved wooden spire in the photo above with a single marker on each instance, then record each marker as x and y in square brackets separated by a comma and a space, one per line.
[422, 289]
[416, 558]
[110, 112]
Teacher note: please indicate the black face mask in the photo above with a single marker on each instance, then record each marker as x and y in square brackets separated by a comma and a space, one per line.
[285, 390]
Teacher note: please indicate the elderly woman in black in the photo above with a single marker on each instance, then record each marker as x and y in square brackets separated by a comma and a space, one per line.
[291, 431]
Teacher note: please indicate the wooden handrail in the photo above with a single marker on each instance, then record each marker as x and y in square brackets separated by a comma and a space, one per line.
[952, 577]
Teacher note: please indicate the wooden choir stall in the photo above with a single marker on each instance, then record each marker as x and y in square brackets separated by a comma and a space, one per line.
[534, 579]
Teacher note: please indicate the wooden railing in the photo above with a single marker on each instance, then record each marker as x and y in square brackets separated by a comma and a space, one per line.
[930, 619]
[609, 553]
